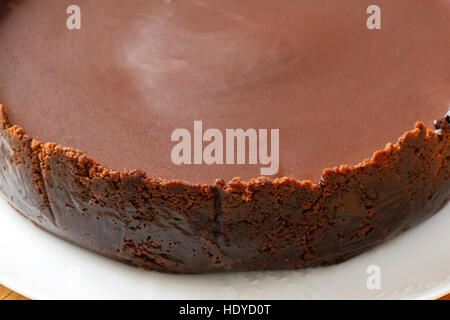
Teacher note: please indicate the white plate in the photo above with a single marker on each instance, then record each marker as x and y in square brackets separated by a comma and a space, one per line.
[415, 265]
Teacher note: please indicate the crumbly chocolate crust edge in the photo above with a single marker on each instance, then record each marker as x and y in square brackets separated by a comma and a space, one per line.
[174, 226]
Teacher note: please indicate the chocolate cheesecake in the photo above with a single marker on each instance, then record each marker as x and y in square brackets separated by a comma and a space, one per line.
[90, 117]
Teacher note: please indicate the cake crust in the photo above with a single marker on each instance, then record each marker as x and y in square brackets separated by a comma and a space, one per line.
[174, 226]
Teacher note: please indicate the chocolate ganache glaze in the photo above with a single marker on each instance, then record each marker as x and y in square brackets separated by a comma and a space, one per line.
[88, 116]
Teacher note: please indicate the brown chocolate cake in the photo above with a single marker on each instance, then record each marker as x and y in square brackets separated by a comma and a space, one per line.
[90, 117]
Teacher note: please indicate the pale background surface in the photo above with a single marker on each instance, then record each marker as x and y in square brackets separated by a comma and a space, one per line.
[6, 294]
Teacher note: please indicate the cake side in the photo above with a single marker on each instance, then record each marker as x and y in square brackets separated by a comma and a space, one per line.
[21, 179]
[174, 226]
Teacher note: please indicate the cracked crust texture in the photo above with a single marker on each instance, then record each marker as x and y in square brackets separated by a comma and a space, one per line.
[173, 226]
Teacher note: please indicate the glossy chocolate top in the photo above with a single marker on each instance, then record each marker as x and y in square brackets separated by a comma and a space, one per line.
[137, 70]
